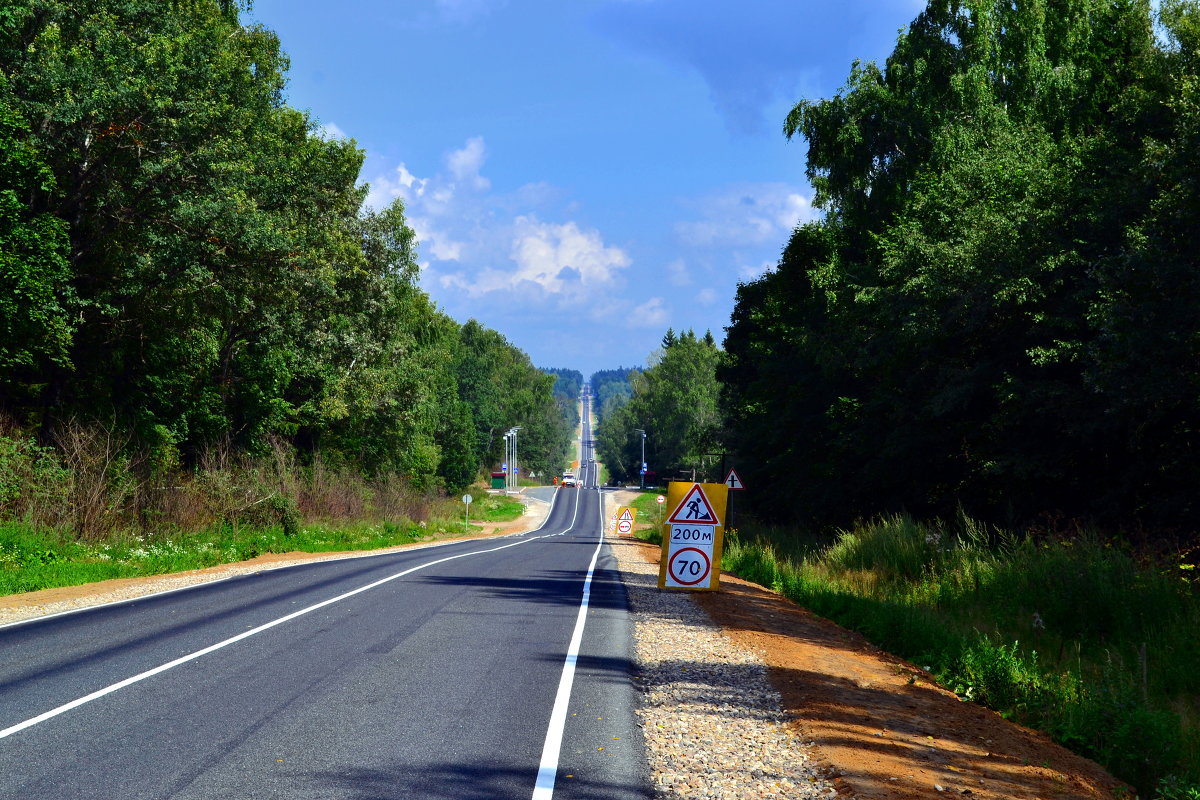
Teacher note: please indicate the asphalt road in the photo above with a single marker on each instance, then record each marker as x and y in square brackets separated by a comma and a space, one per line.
[468, 670]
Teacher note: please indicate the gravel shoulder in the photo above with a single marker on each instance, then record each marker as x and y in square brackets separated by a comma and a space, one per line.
[746, 695]
[864, 723]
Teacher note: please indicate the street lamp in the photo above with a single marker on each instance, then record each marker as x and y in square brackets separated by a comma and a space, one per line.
[642, 468]
[510, 438]
[507, 458]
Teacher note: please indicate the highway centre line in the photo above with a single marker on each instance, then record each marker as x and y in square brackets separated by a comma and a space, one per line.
[96, 695]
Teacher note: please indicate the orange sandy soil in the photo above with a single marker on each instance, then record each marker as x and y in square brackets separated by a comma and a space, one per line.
[887, 731]
[880, 724]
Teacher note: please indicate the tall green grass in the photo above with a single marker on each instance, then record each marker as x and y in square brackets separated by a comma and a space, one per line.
[1074, 637]
[33, 558]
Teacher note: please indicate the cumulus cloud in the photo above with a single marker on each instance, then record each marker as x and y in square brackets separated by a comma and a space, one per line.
[477, 242]
[559, 262]
[465, 164]
[650, 314]
[745, 214]
[563, 258]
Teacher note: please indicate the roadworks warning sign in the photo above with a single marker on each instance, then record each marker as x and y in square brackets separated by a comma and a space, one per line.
[692, 537]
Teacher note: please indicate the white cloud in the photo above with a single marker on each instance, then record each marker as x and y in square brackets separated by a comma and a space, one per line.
[403, 184]
[751, 272]
[465, 164]
[706, 297]
[650, 314]
[331, 131]
[477, 243]
[746, 214]
[563, 259]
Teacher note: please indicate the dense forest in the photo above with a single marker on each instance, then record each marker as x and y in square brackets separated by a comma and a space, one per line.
[568, 384]
[187, 268]
[610, 390]
[674, 400]
[999, 309]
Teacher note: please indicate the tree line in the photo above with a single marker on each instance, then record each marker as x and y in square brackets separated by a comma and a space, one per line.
[998, 311]
[185, 258]
[1000, 307]
[674, 401]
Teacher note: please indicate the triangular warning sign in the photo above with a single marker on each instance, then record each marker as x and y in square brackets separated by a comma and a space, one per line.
[694, 510]
[626, 514]
[734, 481]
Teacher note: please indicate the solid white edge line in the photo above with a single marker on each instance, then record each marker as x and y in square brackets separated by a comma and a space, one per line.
[54, 712]
[543, 788]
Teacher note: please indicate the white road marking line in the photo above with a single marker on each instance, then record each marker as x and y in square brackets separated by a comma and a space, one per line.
[54, 712]
[543, 788]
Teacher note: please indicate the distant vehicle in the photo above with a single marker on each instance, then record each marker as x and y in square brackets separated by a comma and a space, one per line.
[568, 479]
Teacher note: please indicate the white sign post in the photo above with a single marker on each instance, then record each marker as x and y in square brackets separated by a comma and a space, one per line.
[467, 509]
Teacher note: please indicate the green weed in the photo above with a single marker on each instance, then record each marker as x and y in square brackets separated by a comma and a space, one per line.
[1074, 637]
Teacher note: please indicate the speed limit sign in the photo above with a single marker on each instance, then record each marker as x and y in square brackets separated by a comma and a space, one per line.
[624, 527]
[691, 548]
[688, 566]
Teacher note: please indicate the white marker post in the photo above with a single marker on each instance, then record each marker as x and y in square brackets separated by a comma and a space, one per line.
[467, 509]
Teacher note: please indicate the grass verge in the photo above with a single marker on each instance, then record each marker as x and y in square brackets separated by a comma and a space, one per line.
[33, 558]
[1074, 637]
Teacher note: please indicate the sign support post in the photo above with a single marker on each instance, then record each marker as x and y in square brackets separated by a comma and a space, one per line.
[734, 483]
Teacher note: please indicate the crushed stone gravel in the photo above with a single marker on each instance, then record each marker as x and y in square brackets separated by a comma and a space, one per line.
[713, 724]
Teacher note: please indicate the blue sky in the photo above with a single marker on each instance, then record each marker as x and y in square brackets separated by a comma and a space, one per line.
[582, 174]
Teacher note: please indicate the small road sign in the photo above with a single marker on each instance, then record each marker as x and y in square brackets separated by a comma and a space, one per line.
[660, 499]
[468, 499]
[734, 481]
[624, 526]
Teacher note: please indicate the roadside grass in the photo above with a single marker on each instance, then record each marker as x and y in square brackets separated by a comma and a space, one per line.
[649, 516]
[1075, 637]
[33, 558]
[496, 508]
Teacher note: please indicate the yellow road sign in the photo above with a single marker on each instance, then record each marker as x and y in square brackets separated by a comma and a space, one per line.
[693, 536]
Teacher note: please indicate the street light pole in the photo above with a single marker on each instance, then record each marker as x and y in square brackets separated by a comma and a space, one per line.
[510, 455]
[507, 456]
[642, 466]
[516, 479]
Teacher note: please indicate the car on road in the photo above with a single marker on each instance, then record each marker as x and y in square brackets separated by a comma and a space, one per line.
[568, 479]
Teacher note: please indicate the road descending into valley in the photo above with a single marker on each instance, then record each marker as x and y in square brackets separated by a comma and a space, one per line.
[495, 668]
